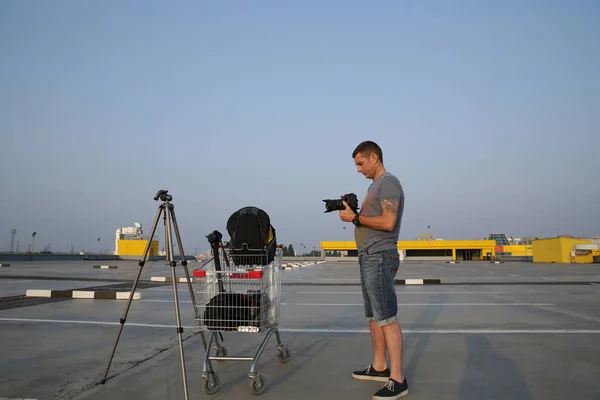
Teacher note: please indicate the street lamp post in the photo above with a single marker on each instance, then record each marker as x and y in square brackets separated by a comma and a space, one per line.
[13, 232]
[32, 244]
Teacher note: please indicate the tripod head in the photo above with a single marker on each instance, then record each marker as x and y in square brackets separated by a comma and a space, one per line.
[163, 195]
[214, 238]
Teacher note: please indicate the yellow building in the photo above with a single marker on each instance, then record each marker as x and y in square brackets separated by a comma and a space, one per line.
[564, 250]
[136, 247]
[517, 250]
[429, 249]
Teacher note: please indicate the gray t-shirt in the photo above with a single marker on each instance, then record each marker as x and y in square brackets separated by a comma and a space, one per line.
[387, 186]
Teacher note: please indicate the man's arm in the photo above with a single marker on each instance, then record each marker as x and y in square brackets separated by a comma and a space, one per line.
[387, 220]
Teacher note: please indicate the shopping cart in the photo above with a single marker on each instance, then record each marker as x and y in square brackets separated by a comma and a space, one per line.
[239, 294]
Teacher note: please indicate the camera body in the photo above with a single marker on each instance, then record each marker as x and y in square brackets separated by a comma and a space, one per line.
[337, 204]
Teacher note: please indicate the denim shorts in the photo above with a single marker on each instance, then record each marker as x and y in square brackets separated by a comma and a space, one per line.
[377, 278]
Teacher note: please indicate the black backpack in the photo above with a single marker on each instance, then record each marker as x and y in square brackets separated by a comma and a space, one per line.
[253, 239]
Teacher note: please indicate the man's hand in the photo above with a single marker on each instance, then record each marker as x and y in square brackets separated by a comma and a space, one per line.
[346, 215]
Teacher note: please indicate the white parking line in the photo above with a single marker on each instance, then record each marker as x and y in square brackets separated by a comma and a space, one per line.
[400, 304]
[513, 275]
[329, 330]
[83, 322]
[549, 279]
[423, 304]
[167, 301]
[338, 279]
[403, 293]
[455, 331]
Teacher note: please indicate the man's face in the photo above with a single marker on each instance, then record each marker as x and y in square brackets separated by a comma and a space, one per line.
[366, 165]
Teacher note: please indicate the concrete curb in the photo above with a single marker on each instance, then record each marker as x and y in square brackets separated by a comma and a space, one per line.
[292, 265]
[170, 279]
[418, 281]
[82, 294]
[105, 266]
[17, 398]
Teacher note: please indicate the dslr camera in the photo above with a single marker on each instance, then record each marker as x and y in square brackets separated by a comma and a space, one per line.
[337, 204]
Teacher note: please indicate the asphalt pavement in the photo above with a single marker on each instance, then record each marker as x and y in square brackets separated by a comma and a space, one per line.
[488, 331]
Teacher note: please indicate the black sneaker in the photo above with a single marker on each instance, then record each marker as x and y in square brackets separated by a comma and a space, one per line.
[392, 390]
[370, 374]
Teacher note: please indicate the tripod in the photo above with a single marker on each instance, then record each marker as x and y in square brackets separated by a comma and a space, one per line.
[169, 214]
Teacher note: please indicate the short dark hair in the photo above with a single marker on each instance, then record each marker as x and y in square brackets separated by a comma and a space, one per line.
[367, 147]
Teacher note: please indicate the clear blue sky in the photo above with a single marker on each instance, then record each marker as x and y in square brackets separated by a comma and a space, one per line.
[488, 112]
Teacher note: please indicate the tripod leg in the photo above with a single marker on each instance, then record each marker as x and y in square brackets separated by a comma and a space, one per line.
[185, 269]
[173, 264]
[135, 283]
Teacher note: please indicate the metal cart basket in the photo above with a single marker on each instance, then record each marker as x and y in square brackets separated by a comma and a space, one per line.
[241, 297]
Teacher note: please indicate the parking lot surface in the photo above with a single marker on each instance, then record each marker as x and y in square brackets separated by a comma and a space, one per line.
[493, 331]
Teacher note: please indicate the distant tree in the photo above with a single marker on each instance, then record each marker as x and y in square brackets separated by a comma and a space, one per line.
[285, 251]
[291, 251]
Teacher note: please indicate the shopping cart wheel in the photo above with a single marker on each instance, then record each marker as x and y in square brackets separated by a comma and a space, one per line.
[211, 384]
[284, 355]
[258, 384]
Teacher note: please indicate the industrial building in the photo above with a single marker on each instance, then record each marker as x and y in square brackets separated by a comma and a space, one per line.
[566, 250]
[496, 247]
[130, 242]
[426, 247]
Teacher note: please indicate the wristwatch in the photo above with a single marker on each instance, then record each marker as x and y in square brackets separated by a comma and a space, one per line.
[355, 221]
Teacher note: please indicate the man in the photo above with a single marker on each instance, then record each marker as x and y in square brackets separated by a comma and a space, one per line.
[377, 227]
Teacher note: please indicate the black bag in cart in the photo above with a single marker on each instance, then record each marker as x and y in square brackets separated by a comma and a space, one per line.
[228, 311]
[253, 238]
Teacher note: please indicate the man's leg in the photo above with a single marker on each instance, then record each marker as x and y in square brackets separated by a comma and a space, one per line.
[369, 280]
[393, 339]
[378, 371]
[379, 345]
[385, 309]
[391, 327]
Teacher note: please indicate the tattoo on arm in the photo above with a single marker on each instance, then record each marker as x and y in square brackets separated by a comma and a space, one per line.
[391, 205]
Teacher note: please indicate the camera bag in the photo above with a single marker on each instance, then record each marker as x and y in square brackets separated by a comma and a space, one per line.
[227, 311]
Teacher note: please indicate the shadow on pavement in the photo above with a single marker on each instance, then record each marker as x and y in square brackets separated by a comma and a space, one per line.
[420, 342]
[489, 374]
